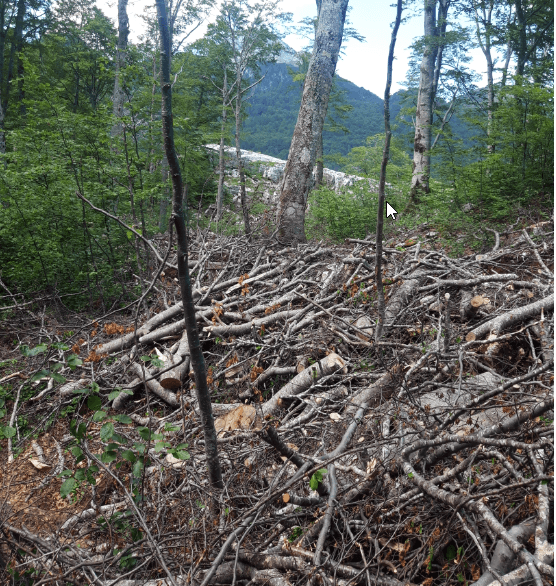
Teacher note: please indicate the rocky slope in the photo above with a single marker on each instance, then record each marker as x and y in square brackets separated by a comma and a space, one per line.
[271, 170]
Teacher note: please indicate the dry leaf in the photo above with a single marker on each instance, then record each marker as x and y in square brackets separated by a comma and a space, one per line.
[335, 416]
[232, 372]
[395, 546]
[242, 417]
[371, 465]
[38, 464]
[175, 462]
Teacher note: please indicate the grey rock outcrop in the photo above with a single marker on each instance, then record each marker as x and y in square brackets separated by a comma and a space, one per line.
[272, 169]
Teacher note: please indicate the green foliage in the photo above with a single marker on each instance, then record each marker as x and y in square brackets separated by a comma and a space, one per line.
[316, 478]
[518, 169]
[350, 213]
[295, 534]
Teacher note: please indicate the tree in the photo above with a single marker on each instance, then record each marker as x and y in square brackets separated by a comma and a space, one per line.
[310, 121]
[248, 37]
[382, 182]
[435, 30]
[123, 33]
[532, 36]
[197, 359]
[337, 113]
[308, 29]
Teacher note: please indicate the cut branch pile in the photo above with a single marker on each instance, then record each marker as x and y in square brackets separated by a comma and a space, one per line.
[426, 458]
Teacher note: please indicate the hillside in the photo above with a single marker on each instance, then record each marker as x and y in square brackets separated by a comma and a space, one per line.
[274, 105]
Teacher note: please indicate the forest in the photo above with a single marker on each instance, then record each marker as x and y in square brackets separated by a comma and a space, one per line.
[259, 325]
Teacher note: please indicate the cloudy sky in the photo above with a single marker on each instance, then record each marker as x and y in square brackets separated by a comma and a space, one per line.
[363, 63]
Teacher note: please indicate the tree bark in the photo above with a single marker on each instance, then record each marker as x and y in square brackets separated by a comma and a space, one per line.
[320, 163]
[310, 121]
[486, 48]
[221, 165]
[243, 195]
[423, 115]
[382, 181]
[197, 359]
[123, 34]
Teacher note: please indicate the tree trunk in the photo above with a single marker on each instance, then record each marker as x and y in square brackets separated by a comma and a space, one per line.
[423, 115]
[522, 38]
[221, 162]
[243, 195]
[165, 199]
[320, 163]
[509, 52]
[486, 48]
[197, 359]
[123, 34]
[382, 181]
[310, 121]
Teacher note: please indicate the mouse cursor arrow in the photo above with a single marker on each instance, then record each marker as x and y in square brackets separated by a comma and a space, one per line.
[390, 211]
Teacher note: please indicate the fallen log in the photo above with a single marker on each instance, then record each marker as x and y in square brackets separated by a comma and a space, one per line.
[468, 282]
[382, 389]
[305, 379]
[499, 323]
[154, 386]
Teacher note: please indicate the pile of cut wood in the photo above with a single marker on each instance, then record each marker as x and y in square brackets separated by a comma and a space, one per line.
[426, 457]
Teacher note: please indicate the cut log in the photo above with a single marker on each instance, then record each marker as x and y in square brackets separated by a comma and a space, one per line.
[305, 379]
[239, 329]
[402, 296]
[381, 389]
[154, 386]
[69, 388]
[364, 324]
[494, 326]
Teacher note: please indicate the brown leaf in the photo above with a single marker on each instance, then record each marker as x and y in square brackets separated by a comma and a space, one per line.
[242, 417]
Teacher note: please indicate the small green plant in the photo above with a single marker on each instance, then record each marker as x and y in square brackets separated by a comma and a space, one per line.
[295, 534]
[317, 477]
[153, 361]
[451, 552]
[117, 448]
[431, 556]
[6, 431]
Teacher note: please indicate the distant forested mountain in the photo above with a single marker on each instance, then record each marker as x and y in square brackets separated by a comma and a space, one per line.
[274, 105]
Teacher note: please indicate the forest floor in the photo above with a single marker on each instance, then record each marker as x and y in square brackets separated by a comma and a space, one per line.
[426, 458]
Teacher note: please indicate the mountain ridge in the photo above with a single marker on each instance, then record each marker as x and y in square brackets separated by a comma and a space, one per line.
[274, 106]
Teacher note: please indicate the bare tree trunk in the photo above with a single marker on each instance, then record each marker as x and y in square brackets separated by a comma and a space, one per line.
[320, 162]
[509, 51]
[310, 121]
[197, 359]
[243, 195]
[486, 48]
[423, 115]
[382, 182]
[123, 34]
[166, 197]
[221, 165]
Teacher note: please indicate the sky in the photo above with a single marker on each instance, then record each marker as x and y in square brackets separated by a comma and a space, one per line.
[364, 64]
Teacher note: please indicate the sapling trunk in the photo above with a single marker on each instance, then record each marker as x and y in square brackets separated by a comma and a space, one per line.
[196, 354]
[382, 182]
